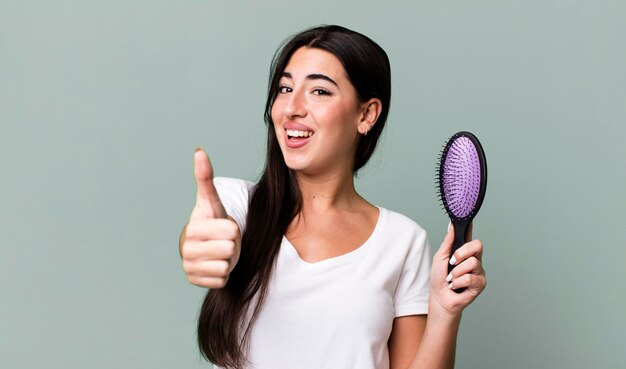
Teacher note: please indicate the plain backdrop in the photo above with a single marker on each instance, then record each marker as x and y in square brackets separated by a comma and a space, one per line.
[102, 104]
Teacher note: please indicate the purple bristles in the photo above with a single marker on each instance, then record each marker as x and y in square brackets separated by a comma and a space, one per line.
[461, 177]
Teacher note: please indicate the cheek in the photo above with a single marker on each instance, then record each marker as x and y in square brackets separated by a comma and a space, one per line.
[277, 108]
[345, 120]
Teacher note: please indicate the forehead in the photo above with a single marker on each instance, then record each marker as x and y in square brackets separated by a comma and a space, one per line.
[306, 60]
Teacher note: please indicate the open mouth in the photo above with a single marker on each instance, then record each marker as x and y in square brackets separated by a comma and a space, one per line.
[293, 134]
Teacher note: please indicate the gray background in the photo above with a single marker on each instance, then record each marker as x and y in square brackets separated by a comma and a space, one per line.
[103, 103]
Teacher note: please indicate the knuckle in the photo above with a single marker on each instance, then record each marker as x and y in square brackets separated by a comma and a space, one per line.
[191, 231]
[194, 251]
[459, 258]
[184, 251]
[215, 269]
[187, 252]
[220, 283]
[187, 266]
[229, 248]
[474, 262]
[216, 283]
[192, 279]
[223, 268]
[232, 229]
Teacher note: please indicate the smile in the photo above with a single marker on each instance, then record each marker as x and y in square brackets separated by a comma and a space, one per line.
[296, 133]
[296, 138]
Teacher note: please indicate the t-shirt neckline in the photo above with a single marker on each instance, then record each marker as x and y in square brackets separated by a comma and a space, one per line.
[340, 259]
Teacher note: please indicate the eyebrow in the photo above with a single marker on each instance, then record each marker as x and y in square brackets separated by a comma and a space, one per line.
[313, 76]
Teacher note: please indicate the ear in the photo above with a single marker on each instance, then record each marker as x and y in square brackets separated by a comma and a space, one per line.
[370, 111]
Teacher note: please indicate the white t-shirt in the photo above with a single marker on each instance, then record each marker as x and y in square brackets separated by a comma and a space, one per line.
[338, 312]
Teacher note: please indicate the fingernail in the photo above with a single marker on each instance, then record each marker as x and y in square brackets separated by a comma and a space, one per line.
[450, 285]
[198, 149]
[449, 224]
[449, 277]
[452, 260]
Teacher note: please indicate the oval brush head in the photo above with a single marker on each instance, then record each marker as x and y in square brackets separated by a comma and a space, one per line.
[462, 181]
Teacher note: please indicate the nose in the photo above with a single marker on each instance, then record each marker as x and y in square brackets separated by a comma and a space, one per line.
[295, 105]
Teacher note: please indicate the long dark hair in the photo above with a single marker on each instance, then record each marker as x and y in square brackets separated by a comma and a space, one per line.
[224, 324]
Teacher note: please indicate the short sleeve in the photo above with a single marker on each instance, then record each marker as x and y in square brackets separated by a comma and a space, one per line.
[234, 194]
[413, 289]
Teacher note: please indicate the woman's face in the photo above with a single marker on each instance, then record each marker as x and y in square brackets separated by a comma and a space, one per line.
[316, 113]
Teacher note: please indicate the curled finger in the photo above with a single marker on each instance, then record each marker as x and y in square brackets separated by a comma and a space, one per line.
[472, 248]
[468, 266]
[469, 281]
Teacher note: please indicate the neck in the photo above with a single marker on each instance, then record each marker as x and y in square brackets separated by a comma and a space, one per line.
[332, 192]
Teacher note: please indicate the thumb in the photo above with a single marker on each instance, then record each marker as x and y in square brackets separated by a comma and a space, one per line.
[208, 203]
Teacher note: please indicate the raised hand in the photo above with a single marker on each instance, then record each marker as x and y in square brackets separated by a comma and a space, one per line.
[210, 242]
[468, 273]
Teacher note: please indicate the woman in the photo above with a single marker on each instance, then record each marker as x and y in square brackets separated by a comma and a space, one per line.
[303, 271]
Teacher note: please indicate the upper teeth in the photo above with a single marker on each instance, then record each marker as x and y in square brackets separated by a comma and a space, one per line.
[296, 133]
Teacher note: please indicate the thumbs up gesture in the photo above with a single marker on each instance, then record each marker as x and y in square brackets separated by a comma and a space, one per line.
[210, 242]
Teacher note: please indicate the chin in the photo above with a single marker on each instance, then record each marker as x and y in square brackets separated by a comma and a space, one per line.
[296, 165]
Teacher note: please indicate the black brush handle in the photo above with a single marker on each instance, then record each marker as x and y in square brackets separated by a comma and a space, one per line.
[461, 227]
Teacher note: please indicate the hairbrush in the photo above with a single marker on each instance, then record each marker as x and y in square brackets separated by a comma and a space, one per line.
[461, 182]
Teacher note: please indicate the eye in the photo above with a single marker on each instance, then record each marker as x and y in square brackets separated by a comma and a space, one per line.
[284, 89]
[321, 92]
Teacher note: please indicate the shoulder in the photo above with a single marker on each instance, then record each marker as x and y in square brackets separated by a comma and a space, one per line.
[402, 235]
[396, 222]
[233, 183]
[234, 186]
[235, 194]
